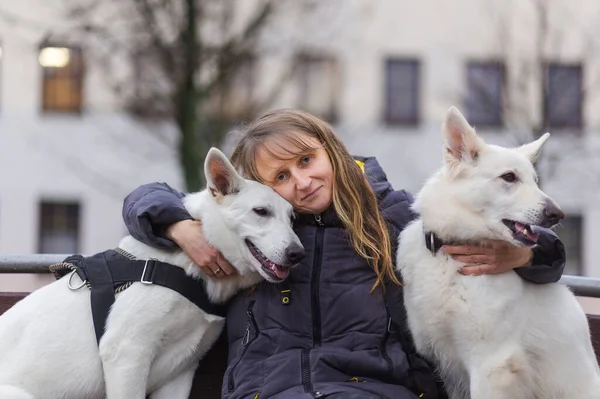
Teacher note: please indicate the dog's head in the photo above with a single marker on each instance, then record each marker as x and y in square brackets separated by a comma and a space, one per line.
[256, 223]
[486, 191]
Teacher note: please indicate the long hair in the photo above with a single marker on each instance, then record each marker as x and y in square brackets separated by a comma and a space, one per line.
[354, 201]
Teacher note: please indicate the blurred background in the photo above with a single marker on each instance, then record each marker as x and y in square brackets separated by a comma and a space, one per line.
[100, 96]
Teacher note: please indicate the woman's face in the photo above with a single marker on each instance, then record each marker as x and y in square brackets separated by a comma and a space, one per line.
[305, 180]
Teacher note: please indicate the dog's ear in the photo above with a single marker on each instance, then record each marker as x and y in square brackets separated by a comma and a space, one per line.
[221, 177]
[534, 149]
[461, 141]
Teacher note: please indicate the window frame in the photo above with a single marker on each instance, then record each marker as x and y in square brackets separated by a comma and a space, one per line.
[547, 94]
[48, 102]
[389, 116]
[71, 219]
[497, 121]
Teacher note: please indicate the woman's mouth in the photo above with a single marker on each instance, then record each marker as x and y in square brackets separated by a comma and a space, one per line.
[311, 194]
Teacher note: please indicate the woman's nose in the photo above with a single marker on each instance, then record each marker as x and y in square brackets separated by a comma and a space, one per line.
[302, 181]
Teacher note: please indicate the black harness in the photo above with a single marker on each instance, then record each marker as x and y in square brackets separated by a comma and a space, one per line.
[110, 272]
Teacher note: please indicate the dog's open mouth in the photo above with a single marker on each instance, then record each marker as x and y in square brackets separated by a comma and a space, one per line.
[276, 271]
[522, 232]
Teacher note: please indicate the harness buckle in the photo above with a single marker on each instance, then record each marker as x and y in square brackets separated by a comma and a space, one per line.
[143, 279]
[71, 287]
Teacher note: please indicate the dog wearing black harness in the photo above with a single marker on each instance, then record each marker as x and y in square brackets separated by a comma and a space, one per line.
[135, 321]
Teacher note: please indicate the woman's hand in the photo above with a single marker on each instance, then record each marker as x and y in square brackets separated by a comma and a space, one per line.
[495, 257]
[189, 236]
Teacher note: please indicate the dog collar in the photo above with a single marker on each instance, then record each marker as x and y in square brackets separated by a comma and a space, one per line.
[433, 242]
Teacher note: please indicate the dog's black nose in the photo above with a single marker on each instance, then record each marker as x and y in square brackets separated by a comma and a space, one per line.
[294, 253]
[553, 213]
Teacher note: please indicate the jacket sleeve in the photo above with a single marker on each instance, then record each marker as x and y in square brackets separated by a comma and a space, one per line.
[150, 209]
[548, 261]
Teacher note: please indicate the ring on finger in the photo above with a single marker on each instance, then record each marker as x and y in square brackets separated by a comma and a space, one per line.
[219, 270]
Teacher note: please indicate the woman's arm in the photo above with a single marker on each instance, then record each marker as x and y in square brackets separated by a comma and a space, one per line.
[155, 215]
[150, 209]
[544, 264]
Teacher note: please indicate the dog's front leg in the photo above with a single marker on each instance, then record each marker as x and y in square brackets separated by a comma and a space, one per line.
[501, 375]
[177, 388]
[126, 367]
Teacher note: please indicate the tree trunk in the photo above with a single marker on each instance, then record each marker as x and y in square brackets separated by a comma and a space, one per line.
[191, 152]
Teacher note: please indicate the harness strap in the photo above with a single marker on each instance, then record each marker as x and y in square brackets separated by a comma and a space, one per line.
[164, 274]
[107, 270]
[102, 294]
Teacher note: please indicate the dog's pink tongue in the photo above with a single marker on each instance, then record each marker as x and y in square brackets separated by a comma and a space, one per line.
[521, 228]
[282, 273]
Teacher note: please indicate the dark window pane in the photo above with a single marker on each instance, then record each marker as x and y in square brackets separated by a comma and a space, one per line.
[564, 96]
[59, 228]
[402, 91]
[485, 82]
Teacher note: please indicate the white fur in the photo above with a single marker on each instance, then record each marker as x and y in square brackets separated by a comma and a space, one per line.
[492, 336]
[154, 337]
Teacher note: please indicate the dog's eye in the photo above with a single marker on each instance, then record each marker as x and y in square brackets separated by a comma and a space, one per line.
[509, 177]
[261, 211]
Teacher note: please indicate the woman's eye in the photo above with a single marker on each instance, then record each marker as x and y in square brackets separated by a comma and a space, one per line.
[281, 177]
[509, 177]
[261, 211]
[305, 159]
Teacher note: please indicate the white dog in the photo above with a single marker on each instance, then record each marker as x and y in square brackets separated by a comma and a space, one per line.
[154, 336]
[492, 336]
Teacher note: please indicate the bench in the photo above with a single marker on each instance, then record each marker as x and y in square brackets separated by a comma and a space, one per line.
[209, 375]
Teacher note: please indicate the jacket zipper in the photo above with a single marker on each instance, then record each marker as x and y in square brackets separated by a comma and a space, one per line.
[315, 283]
[315, 305]
[384, 353]
[246, 341]
[305, 364]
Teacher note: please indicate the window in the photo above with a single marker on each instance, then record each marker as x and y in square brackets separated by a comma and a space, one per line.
[59, 228]
[485, 81]
[318, 85]
[563, 96]
[402, 91]
[571, 233]
[62, 72]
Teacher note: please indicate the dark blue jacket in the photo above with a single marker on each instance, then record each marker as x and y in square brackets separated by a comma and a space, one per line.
[332, 336]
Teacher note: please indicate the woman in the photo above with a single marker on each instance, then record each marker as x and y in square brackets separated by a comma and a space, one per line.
[330, 338]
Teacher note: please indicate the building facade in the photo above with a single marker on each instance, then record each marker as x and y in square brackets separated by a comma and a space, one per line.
[382, 72]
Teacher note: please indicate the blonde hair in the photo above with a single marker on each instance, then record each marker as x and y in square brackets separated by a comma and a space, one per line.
[354, 200]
